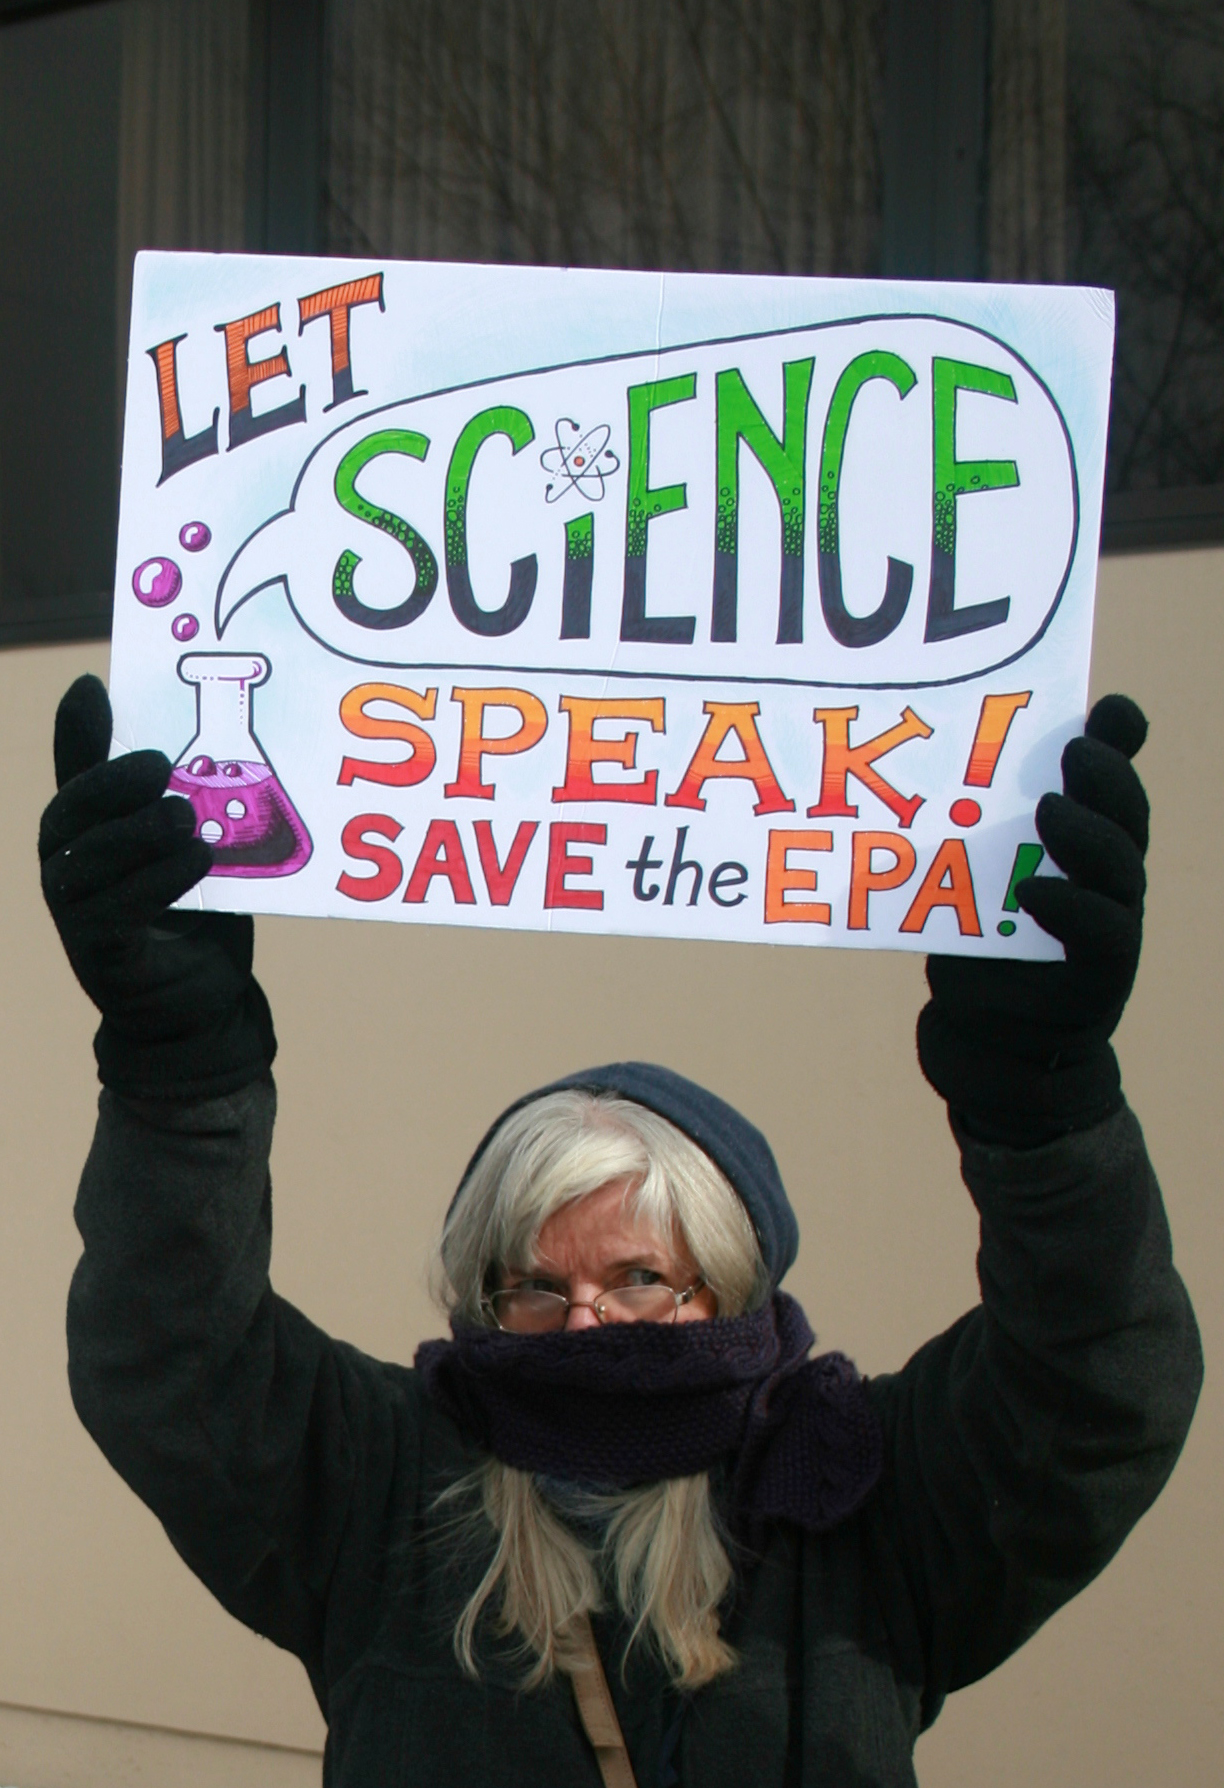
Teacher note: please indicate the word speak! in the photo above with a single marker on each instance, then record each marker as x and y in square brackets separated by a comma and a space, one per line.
[497, 726]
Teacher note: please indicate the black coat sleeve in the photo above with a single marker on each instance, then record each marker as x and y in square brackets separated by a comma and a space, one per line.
[265, 1448]
[1024, 1443]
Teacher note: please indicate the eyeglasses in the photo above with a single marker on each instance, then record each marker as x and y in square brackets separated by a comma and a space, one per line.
[522, 1312]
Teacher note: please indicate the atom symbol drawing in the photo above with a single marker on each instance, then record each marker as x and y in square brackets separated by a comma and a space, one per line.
[581, 462]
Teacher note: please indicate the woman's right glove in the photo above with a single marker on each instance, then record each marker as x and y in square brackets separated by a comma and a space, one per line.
[182, 1016]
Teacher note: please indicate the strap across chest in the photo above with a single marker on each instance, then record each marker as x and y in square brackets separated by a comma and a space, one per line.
[595, 1710]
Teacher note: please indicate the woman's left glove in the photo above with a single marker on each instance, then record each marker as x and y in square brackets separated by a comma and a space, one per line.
[1020, 1050]
[182, 1015]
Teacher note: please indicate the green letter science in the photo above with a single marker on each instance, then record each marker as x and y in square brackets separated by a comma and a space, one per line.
[503, 419]
[954, 478]
[848, 629]
[644, 505]
[739, 419]
[387, 440]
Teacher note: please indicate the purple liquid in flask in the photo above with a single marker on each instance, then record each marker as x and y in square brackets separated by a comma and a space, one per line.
[241, 808]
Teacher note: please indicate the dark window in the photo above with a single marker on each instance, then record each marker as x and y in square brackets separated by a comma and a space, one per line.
[123, 125]
[60, 81]
[1145, 205]
[961, 139]
[618, 133]
[1087, 147]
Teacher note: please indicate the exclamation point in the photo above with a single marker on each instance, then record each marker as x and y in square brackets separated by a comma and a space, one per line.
[1028, 857]
[994, 724]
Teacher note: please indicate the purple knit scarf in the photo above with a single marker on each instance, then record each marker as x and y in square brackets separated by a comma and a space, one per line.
[629, 1404]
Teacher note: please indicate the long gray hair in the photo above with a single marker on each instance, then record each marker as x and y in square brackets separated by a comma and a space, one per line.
[662, 1551]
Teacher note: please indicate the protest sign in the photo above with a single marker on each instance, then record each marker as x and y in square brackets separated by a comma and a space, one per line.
[684, 605]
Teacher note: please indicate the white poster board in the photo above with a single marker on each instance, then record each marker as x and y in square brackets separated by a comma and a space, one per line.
[682, 605]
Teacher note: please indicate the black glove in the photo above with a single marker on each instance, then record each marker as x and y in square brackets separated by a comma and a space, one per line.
[1020, 1050]
[182, 1017]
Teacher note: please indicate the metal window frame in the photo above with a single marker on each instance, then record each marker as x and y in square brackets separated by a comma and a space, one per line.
[285, 139]
[934, 138]
[13, 10]
[1158, 520]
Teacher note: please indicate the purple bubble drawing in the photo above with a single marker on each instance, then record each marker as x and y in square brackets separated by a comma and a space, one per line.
[156, 582]
[184, 627]
[194, 536]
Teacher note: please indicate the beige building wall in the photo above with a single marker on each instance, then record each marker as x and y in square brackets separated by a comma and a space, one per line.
[398, 1045]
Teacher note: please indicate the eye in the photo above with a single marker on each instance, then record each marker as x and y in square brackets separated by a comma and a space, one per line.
[535, 1284]
[643, 1276]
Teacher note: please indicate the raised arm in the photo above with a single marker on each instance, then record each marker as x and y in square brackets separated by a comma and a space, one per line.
[215, 1401]
[263, 1446]
[1026, 1441]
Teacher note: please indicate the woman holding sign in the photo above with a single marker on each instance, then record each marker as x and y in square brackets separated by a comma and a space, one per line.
[620, 1527]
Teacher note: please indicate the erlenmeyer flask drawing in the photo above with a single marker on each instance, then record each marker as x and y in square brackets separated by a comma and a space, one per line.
[241, 807]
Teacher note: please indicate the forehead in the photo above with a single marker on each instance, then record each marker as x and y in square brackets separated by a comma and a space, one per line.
[605, 1223]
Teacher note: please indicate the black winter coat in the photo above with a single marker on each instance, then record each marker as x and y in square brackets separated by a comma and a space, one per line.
[297, 1476]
